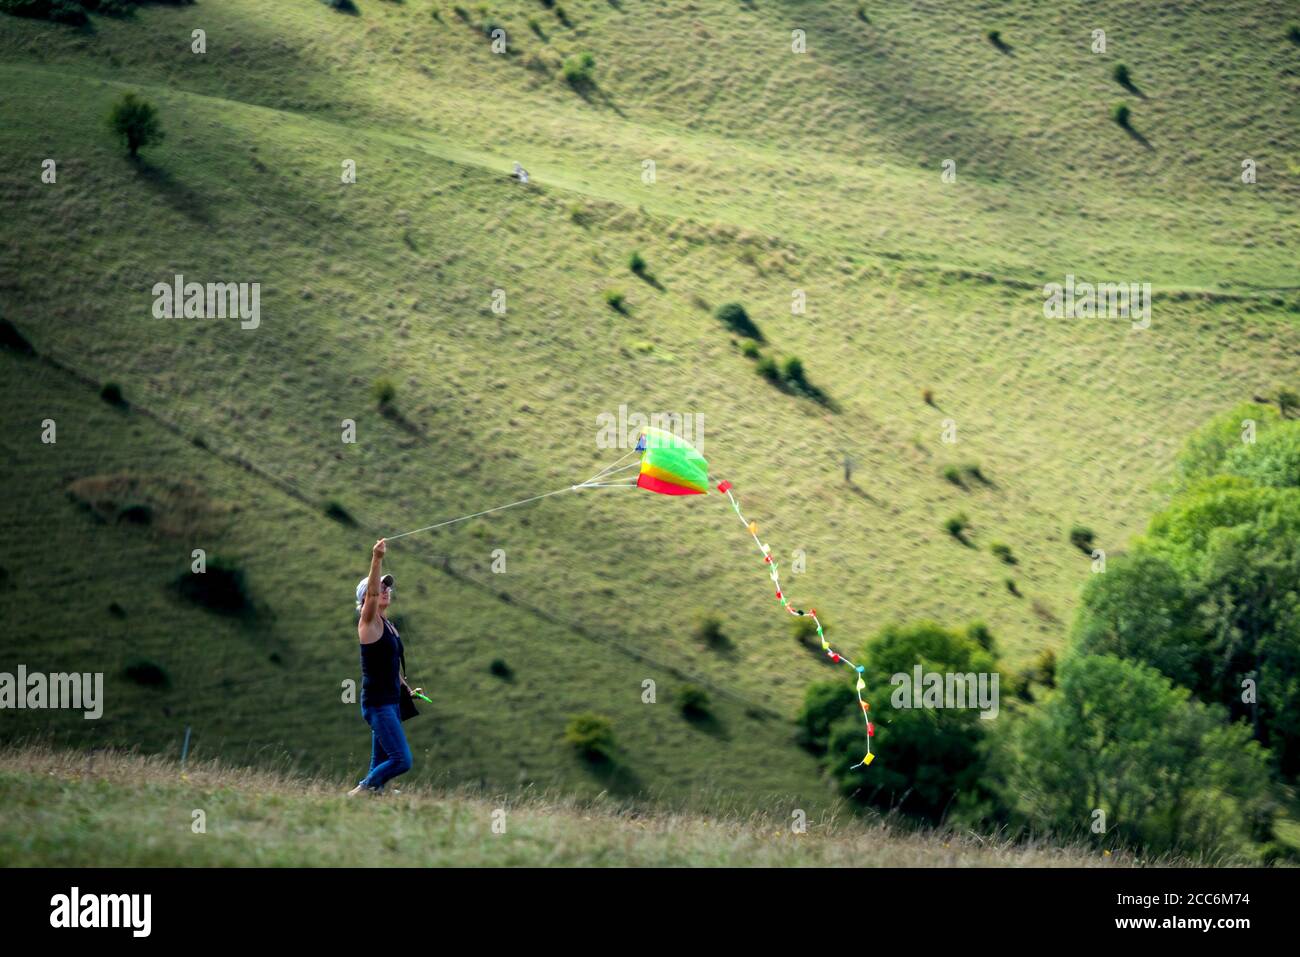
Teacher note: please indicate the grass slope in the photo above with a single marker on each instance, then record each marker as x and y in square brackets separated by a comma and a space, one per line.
[124, 810]
[775, 173]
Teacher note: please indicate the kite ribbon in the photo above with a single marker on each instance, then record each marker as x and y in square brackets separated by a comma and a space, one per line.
[835, 656]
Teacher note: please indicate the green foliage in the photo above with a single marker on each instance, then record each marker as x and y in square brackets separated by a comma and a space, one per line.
[1003, 552]
[750, 350]
[768, 369]
[1168, 773]
[937, 757]
[953, 475]
[734, 317]
[57, 11]
[636, 263]
[1122, 76]
[13, 340]
[792, 372]
[708, 631]
[616, 300]
[336, 511]
[824, 704]
[579, 70]
[384, 392]
[1274, 458]
[146, 673]
[112, 394]
[591, 735]
[500, 669]
[1205, 451]
[1139, 610]
[1081, 537]
[957, 525]
[693, 701]
[135, 122]
[222, 588]
[1122, 115]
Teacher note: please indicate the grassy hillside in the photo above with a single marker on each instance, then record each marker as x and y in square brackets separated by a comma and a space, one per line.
[66, 809]
[776, 172]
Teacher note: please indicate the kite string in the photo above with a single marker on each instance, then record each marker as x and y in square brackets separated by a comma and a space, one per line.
[864, 707]
[590, 483]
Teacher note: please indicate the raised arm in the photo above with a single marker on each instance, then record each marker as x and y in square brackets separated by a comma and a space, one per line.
[369, 628]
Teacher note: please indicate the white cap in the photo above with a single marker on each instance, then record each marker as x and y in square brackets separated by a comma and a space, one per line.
[361, 587]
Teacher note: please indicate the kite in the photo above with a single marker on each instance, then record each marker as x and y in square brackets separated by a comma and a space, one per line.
[670, 465]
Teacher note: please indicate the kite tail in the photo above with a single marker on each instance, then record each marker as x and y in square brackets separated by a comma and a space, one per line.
[864, 707]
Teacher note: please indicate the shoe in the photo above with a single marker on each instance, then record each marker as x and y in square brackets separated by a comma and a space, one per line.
[361, 789]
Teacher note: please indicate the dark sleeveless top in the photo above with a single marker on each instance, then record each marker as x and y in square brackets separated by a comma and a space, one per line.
[380, 668]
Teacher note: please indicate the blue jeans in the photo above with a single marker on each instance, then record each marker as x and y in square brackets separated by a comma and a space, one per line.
[390, 755]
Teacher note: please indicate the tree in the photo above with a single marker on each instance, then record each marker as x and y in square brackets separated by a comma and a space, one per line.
[135, 121]
[937, 756]
[1140, 610]
[1166, 772]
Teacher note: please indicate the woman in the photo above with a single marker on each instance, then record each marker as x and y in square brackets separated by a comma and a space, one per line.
[382, 681]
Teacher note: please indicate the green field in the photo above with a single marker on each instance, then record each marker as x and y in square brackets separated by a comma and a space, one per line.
[774, 172]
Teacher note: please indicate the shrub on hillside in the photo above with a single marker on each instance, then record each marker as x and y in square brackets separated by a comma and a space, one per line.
[708, 631]
[147, 673]
[591, 735]
[222, 588]
[1122, 115]
[957, 525]
[1003, 552]
[580, 71]
[135, 122]
[13, 340]
[112, 394]
[734, 317]
[616, 300]
[636, 263]
[693, 701]
[1081, 537]
[384, 392]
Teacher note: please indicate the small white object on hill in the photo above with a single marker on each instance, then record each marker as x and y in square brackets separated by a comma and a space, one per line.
[520, 173]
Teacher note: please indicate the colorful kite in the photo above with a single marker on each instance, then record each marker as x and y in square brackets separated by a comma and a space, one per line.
[672, 466]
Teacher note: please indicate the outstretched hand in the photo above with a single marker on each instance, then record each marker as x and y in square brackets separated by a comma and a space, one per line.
[380, 548]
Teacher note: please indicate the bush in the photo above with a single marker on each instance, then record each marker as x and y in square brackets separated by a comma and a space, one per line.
[13, 340]
[336, 511]
[979, 633]
[342, 6]
[956, 526]
[136, 514]
[591, 735]
[222, 588]
[693, 701]
[953, 475]
[579, 70]
[1122, 77]
[135, 121]
[792, 372]
[734, 317]
[56, 11]
[708, 631]
[147, 673]
[616, 300]
[936, 765]
[1293, 34]
[1122, 115]
[767, 368]
[1012, 586]
[1186, 777]
[500, 669]
[112, 394]
[636, 264]
[750, 350]
[1081, 537]
[1003, 552]
[384, 392]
